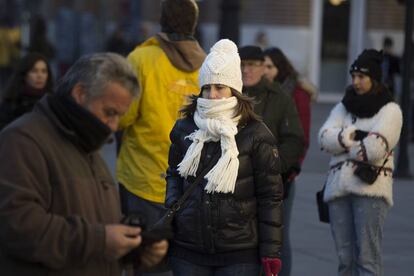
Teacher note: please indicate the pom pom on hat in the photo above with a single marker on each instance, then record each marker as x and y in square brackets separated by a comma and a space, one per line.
[225, 46]
[222, 66]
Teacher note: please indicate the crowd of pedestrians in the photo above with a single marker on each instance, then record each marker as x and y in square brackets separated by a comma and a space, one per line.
[238, 117]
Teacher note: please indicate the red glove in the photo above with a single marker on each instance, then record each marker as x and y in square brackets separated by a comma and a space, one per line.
[271, 266]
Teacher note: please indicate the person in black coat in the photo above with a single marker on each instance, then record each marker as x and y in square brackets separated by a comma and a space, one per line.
[31, 80]
[232, 223]
[390, 65]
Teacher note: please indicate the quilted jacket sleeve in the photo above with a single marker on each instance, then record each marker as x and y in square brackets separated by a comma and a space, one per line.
[174, 180]
[269, 192]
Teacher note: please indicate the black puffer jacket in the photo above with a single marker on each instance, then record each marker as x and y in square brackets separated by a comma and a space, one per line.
[249, 219]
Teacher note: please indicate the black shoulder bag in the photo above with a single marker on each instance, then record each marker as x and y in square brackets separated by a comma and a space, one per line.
[323, 209]
[163, 228]
[369, 173]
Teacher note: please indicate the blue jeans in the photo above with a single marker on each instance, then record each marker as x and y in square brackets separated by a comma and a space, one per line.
[356, 225]
[181, 267]
[152, 212]
[286, 248]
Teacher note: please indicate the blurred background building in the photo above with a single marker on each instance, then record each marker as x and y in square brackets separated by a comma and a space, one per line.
[321, 37]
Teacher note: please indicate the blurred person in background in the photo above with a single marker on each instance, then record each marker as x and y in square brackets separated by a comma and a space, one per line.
[31, 80]
[10, 42]
[279, 69]
[39, 41]
[233, 219]
[390, 65]
[261, 40]
[279, 113]
[118, 43]
[166, 66]
[361, 133]
[277, 109]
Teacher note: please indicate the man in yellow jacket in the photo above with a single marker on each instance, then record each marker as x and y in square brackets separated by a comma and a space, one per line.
[166, 67]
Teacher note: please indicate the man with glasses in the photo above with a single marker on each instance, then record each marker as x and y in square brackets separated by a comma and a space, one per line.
[275, 107]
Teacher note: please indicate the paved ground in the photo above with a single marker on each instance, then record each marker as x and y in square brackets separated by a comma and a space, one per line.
[313, 248]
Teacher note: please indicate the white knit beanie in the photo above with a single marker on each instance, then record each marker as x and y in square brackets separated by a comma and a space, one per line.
[222, 66]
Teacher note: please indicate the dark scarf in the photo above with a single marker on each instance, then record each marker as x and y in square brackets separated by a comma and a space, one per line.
[258, 88]
[85, 130]
[32, 92]
[366, 105]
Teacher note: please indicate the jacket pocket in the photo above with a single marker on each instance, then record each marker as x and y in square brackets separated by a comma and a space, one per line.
[237, 222]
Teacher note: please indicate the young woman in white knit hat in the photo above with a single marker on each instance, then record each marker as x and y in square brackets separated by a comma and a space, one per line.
[231, 224]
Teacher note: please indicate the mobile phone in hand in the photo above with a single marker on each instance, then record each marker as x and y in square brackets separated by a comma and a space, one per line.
[360, 134]
[155, 235]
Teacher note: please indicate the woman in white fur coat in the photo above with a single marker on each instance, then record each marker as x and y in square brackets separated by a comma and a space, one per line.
[362, 129]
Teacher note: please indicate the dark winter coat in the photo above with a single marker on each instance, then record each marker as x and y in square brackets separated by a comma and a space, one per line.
[13, 109]
[249, 219]
[280, 115]
[54, 201]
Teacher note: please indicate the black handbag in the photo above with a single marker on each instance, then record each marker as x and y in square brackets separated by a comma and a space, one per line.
[165, 223]
[163, 228]
[323, 209]
[368, 173]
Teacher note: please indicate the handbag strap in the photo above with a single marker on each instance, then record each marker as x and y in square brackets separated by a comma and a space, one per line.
[385, 161]
[177, 205]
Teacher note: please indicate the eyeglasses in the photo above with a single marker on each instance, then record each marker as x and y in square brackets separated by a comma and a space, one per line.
[251, 63]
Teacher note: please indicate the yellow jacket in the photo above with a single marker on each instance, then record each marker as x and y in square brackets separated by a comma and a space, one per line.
[9, 46]
[143, 158]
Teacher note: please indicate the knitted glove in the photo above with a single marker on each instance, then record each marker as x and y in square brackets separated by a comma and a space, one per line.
[271, 266]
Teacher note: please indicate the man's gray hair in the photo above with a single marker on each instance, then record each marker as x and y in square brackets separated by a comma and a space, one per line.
[94, 72]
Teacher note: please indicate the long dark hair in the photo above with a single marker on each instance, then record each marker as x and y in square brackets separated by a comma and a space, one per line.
[378, 87]
[244, 107]
[17, 81]
[284, 66]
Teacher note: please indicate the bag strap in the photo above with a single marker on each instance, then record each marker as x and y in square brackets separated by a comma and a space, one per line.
[385, 161]
[177, 205]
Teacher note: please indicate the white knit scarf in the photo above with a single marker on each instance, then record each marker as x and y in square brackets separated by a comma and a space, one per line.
[215, 120]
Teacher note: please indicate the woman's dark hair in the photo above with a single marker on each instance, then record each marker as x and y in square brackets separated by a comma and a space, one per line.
[285, 68]
[379, 87]
[17, 81]
[244, 107]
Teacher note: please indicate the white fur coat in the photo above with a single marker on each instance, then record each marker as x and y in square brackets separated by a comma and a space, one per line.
[335, 138]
